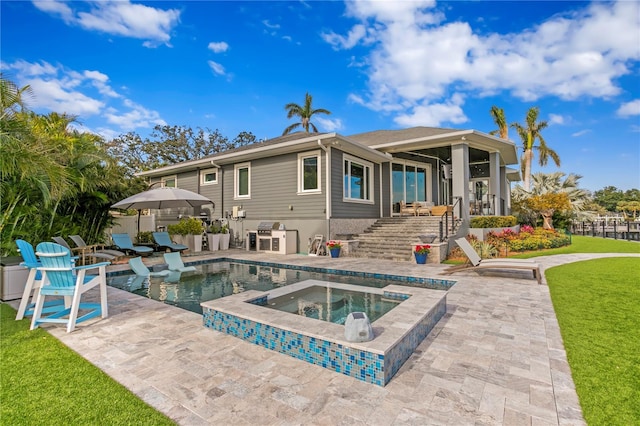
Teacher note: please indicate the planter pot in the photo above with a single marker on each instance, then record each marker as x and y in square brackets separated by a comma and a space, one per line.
[194, 242]
[224, 241]
[335, 252]
[214, 241]
[421, 258]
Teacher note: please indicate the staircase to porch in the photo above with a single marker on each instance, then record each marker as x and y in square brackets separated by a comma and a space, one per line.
[393, 238]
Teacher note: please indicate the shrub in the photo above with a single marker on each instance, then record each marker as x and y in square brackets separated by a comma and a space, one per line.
[145, 237]
[187, 226]
[538, 239]
[493, 221]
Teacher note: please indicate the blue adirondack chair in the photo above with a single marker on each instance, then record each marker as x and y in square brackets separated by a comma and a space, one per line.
[34, 282]
[163, 240]
[123, 242]
[62, 278]
[174, 260]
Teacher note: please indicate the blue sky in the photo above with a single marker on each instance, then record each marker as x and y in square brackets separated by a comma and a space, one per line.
[124, 66]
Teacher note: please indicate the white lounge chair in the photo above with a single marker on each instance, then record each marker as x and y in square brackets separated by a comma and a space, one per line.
[476, 262]
[174, 260]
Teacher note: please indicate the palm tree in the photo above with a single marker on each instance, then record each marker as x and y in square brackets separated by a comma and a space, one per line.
[305, 113]
[529, 134]
[501, 121]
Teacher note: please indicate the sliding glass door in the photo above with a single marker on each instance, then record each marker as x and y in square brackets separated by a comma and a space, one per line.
[409, 183]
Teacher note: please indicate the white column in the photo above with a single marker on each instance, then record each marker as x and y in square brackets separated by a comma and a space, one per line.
[460, 179]
[494, 181]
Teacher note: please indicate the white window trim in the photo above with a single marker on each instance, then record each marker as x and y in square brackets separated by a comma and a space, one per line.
[236, 182]
[301, 158]
[370, 179]
[205, 172]
[163, 181]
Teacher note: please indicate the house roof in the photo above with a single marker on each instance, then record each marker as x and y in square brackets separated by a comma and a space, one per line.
[373, 146]
[417, 138]
[277, 146]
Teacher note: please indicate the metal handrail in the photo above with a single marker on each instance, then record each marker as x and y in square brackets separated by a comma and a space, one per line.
[444, 230]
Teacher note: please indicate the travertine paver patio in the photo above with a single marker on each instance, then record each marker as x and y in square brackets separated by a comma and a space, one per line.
[495, 358]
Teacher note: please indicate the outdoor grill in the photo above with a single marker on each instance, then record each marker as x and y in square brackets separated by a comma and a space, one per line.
[265, 228]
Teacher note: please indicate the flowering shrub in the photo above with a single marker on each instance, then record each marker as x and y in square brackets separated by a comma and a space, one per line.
[527, 229]
[422, 249]
[333, 244]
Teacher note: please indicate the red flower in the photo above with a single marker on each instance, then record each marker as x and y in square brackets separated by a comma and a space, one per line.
[422, 249]
[333, 244]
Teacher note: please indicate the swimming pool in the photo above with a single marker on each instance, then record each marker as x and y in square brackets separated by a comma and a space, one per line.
[216, 279]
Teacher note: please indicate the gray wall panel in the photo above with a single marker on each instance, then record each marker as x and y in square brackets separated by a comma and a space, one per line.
[343, 209]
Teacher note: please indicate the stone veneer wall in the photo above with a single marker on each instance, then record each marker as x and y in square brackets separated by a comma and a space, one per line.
[348, 226]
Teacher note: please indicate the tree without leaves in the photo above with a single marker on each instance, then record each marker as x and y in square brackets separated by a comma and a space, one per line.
[529, 134]
[304, 113]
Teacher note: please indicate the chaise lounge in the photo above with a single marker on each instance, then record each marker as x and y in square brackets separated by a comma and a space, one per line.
[163, 241]
[476, 262]
[124, 243]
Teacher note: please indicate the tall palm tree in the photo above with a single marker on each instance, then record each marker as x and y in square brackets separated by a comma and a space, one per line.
[305, 113]
[529, 133]
[501, 121]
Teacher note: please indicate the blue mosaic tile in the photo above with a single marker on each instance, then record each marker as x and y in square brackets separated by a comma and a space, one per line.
[369, 367]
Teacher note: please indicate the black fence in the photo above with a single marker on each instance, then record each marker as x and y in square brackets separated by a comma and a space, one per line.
[610, 229]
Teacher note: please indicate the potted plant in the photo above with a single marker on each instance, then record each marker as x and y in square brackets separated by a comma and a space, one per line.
[145, 238]
[191, 230]
[225, 237]
[420, 252]
[334, 248]
[213, 236]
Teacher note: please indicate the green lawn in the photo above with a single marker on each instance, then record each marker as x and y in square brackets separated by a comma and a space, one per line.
[43, 382]
[597, 303]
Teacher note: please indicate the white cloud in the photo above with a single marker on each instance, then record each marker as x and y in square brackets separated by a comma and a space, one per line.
[329, 125]
[57, 8]
[629, 108]
[556, 119]
[418, 59]
[216, 67]
[136, 117]
[218, 47]
[356, 34]
[269, 25]
[83, 94]
[118, 18]
[434, 114]
[581, 133]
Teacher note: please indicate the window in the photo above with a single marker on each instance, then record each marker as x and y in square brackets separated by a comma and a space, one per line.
[209, 176]
[358, 179]
[242, 180]
[309, 172]
[170, 182]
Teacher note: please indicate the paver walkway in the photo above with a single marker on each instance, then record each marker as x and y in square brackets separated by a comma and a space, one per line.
[496, 358]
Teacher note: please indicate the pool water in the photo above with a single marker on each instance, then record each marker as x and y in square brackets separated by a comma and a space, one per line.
[332, 304]
[219, 279]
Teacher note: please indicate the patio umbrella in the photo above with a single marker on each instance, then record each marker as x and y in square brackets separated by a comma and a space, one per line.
[162, 198]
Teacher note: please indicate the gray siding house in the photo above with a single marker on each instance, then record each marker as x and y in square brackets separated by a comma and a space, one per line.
[329, 184]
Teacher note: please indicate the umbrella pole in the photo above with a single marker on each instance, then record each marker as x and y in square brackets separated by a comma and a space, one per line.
[139, 211]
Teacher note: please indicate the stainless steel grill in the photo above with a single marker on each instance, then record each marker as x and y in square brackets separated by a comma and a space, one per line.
[265, 228]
